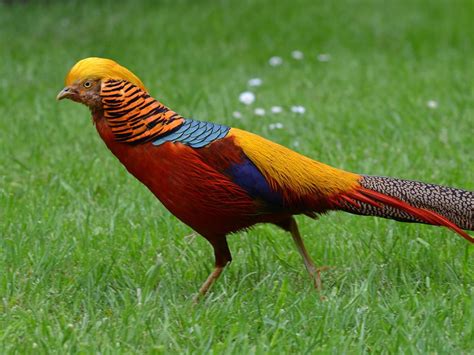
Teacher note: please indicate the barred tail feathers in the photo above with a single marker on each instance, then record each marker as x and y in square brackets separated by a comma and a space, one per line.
[411, 201]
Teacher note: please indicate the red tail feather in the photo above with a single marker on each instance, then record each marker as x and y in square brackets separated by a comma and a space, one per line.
[378, 199]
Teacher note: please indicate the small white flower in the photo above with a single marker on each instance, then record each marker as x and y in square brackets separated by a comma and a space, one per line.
[276, 125]
[255, 82]
[432, 104]
[298, 55]
[275, 61]
[276, 109]
[247, 97]
[259, 111]
[236, 114]
[298, 109]
[296, 143]
[324, 57]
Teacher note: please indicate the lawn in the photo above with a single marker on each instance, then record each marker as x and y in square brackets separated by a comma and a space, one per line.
[91, 262]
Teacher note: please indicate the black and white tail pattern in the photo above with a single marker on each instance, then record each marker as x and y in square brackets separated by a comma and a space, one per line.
[455, 205]
[411, 201]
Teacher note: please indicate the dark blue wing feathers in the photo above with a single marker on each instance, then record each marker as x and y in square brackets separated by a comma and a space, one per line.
[246, 175]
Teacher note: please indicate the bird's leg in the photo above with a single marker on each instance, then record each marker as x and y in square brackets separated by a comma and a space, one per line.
[223, 257]
[313, 271]
[209, 281]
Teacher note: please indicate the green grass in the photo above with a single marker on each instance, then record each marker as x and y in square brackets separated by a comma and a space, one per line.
[91, 262]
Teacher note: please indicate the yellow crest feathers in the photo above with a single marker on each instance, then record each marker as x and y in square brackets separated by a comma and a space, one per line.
[101, 68]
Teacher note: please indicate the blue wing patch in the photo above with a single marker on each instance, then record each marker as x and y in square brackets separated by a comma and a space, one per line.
[195, 134]
[246, 175]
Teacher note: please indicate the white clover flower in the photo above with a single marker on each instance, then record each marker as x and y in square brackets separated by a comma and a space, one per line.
[433, 104]
[298, 55]
[276, 109]
[259, 111]
[324, 57]
[275, 61]
[298, 109]
[255, 82]
[236, 114]
[277, 125]
[247, 97]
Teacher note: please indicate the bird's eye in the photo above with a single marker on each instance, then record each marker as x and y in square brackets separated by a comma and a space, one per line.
[87, 84]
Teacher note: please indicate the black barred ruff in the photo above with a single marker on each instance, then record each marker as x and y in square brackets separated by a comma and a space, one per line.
[454, 204]
[133, 115]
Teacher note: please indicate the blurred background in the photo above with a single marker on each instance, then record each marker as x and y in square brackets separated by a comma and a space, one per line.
[382, 88]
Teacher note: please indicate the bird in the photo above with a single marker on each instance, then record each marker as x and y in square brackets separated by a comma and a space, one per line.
[219, 180]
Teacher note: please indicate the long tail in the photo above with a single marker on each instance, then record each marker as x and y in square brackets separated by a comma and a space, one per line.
[411, 201]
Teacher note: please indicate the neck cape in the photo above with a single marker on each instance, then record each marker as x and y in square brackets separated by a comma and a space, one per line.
[133, 115]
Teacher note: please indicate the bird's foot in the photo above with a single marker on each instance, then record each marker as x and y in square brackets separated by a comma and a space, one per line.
[315, 274]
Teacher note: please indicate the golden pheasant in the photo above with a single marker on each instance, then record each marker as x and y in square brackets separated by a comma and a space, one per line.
[219, 180]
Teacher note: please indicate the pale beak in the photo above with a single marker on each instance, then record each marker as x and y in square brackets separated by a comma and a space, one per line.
[65, 93]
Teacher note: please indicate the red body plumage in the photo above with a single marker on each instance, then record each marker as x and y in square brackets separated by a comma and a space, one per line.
[190, 183]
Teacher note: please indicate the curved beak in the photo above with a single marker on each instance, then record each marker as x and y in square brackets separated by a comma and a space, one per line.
[64, 93]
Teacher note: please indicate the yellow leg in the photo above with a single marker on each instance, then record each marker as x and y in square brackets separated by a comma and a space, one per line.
[208, 283]
[223, 257]
[313, 271]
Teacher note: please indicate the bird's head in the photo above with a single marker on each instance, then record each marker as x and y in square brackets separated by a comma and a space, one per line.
[83, 82]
